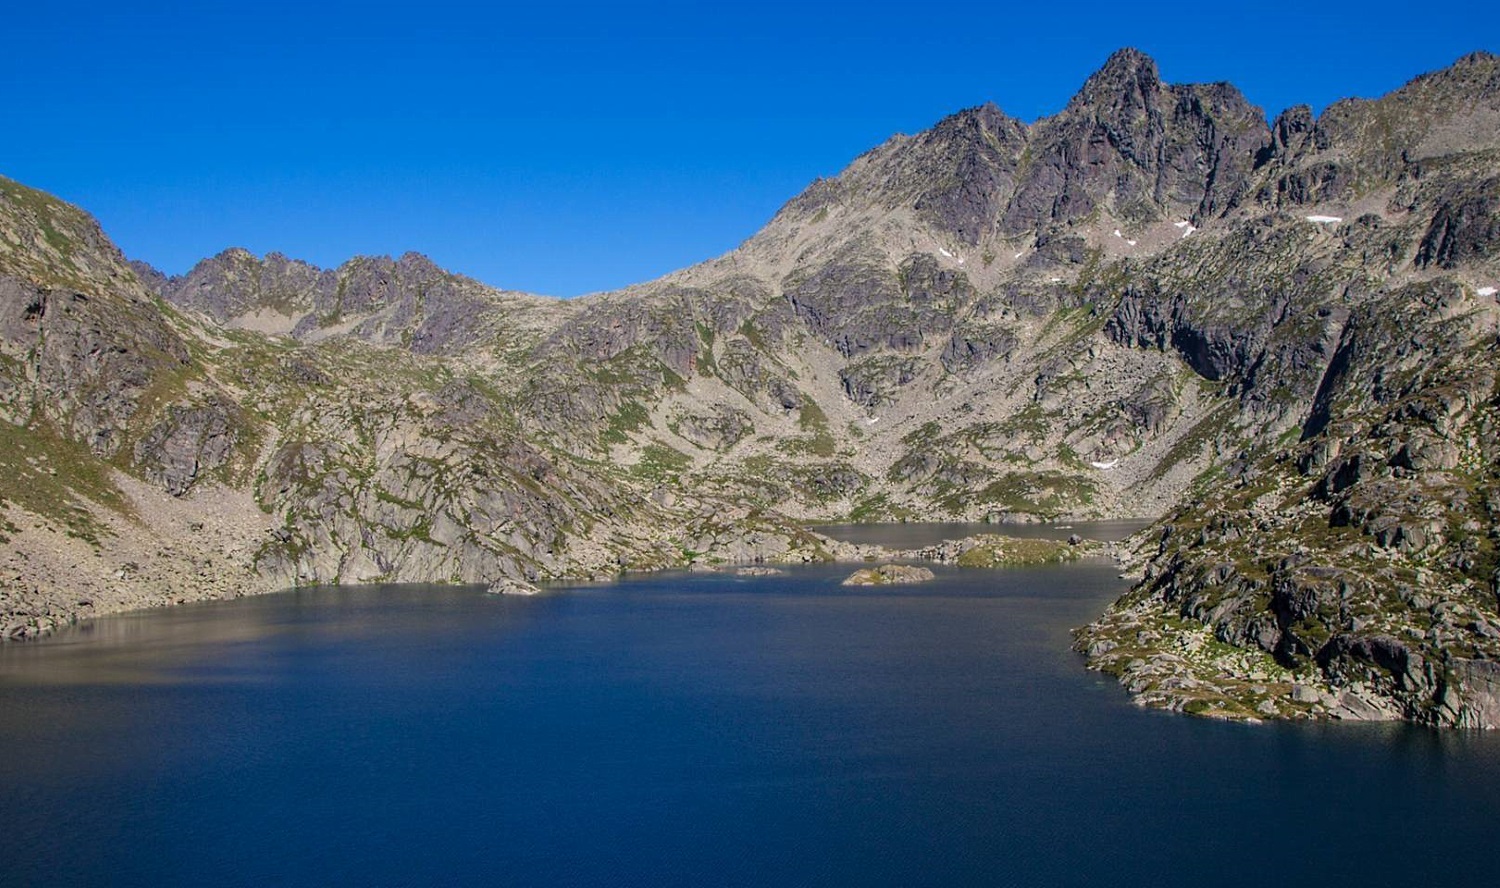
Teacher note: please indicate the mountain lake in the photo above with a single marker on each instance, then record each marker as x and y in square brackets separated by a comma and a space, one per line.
[688, 729]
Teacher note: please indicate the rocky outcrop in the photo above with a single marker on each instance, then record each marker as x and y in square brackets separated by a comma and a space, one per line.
[1465, 228]
[188, 442]
[890, 575]
[1149, 149]
[967, 168]
[407, 302]
[1359, 560]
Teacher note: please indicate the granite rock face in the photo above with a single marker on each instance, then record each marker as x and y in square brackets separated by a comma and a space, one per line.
[1277, 337]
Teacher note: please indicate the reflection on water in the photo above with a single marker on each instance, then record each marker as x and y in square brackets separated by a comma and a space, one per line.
[196, 641]
[686, 729]
[913, 535]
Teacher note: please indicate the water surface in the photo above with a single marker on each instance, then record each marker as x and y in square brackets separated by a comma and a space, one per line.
[687, 730]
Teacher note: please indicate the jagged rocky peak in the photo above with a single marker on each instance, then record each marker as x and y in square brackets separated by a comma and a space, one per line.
[1360, 146]
[956, 176]
[408, 301]
[235, 283]
[1134, 148]
[1128, 78]
[967, 169]
[151, 277]
[1290, 130]
[1127, 148]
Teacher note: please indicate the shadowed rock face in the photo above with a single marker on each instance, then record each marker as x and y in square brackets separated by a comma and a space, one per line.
[1278, 337]
[1465, 228]
[968, 170]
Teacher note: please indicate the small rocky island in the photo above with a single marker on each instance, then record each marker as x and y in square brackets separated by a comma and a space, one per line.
[889, 575]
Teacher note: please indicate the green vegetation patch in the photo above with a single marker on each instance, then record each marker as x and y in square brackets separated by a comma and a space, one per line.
[1036, 493]
[1031, 420]
[54, 478]
[659, 463]
[753, 335]
[631, 416]
[1002, 551]
[923, 436]
[879, 508]
[813, 419]
[56, 222]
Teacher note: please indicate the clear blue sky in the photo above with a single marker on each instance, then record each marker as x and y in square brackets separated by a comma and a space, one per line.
[568, 147]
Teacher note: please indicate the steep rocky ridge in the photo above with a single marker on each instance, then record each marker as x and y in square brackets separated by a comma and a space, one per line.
[407, 302]
[1278, 335]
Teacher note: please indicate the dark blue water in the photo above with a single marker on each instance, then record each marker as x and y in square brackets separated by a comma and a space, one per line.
[687, 730]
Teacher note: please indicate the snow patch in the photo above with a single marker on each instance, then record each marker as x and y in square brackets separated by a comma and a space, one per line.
[945, 252]
[1329, 220]
[1019, 255]
[1486, 291]
[1105, 465]
[1117, 233]
[1186, 226]
[872, 420]
[1130, 242]
[1054, 280]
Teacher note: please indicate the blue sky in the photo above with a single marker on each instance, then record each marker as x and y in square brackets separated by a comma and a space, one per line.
[568, 147]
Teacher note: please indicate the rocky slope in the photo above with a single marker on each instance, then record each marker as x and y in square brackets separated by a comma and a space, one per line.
[1349, 566]
[153, 457]
[1278, 335]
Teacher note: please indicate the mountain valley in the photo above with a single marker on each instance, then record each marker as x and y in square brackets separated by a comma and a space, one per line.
[1277, 339]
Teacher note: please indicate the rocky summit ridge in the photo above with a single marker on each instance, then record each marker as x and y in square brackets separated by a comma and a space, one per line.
[1278, 338]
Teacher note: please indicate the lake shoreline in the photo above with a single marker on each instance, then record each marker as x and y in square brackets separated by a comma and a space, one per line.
[33, 613]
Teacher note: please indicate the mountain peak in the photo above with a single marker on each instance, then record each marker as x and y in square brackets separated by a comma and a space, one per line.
[1126, 70]
[1128, 59]
[232, 254]
[411, 260]
[1476, 58]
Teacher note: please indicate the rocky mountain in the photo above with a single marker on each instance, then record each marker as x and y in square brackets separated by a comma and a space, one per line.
[1276, 336]
[407, 302]
[153, 456]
